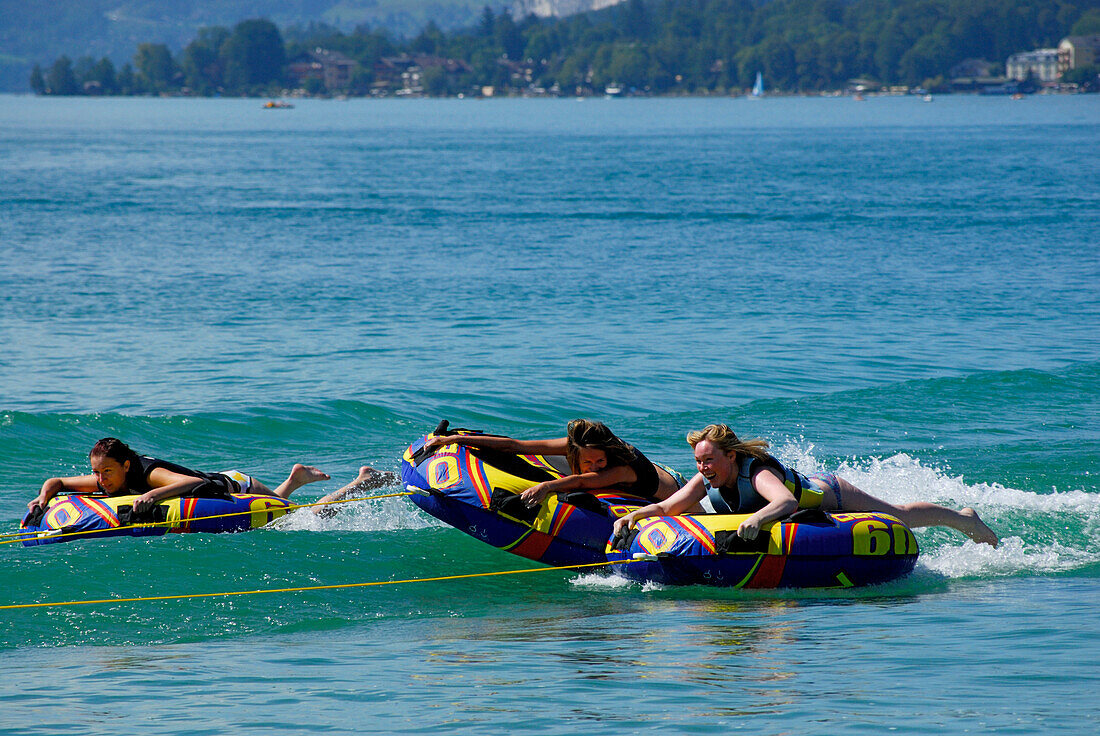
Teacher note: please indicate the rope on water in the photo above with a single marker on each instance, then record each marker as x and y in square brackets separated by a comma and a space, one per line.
[24, 534]
[184, 596]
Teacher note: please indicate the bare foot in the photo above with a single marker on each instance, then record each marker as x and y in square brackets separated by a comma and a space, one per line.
[977, 529]
[299, 476]
[365, 473]
[302, 474]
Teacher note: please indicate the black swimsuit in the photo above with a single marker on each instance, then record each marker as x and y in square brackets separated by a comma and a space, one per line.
[214, 485]
[648, 483]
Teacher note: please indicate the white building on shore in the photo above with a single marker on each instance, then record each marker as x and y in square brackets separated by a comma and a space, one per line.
[1041, 64]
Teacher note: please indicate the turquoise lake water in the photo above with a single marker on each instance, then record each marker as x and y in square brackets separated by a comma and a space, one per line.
[908, 292]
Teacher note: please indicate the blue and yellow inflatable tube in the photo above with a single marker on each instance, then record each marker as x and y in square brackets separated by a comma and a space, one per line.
[810, 549]
[476, 491]
[98, 516]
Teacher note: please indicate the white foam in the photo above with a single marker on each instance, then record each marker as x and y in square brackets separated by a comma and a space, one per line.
[605, 581]
[1012, 557]
[1042, 533]
[902, 478]
[385, 514]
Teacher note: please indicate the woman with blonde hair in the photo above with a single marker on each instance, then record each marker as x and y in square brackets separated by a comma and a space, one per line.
[597, 458]
[741, 477]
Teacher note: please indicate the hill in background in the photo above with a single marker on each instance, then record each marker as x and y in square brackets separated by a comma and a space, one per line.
[39, 32]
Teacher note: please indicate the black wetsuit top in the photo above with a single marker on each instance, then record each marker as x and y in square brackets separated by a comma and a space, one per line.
[214, 485]
[648, 482]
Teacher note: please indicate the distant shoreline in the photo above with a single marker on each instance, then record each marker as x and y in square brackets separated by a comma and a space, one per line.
[292, 97]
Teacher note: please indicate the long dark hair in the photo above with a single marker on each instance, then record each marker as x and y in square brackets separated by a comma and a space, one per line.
[595, 436]
[115, 449]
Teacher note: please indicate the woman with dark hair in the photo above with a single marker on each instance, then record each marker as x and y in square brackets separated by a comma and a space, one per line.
[119, 471]
[597, 458]
[741, 477]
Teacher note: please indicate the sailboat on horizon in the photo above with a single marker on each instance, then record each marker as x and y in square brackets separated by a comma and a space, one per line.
[758, 87]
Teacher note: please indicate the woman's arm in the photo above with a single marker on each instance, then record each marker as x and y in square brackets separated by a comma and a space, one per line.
[683, 500]
[579, 482]
[505, 444]
[165, 484]
[781, 503]
[55, 486]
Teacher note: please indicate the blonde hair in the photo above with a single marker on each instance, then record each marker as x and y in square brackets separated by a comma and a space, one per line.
[725, 440]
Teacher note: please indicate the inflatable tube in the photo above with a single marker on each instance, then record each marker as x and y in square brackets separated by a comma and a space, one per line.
[811, 549]
[476, 491]
[98, 516]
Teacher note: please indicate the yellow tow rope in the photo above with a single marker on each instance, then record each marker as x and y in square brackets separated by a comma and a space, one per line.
[25, 534]
[312, 587]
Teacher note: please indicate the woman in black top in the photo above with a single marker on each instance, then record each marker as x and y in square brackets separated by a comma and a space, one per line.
[119, 471]
[597, 458]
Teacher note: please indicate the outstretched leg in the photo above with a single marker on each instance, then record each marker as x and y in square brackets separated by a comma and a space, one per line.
[367, 480]
[914, 515]
[299, 476]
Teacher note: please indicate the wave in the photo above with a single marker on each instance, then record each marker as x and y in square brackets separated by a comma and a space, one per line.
[1020, 447]
[1041, 533]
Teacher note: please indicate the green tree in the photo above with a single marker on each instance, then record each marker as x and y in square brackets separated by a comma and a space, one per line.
[634, 20]
[1087, 77]
[629, 65]
[253, 55]
[543, 43]
[924, 60]
[155, 66]
[201, 62]
[60, 80]
[127, 81]
[430, 40]
[82, 70]
[509, 38]
[104, 76]
[1088, 24]
[38, 80]
[435, 82]
[487, 24]
[361, 80]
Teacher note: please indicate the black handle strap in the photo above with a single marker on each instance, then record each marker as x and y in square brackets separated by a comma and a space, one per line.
[128, 517]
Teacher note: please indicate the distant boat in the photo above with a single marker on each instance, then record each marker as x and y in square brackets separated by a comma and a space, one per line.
[758, 87]
[927, 98]
[277, 105]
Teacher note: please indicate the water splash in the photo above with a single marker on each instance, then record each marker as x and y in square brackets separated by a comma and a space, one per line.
[1041, 533]
[387, 514]
[598, 581]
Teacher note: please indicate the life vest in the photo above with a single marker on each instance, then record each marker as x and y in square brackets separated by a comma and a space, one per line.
[743, 498]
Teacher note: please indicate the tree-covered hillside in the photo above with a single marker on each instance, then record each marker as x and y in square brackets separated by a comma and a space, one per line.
[39, 32]
[652, 46]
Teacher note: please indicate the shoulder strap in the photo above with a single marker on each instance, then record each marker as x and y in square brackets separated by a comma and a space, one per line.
[745, 492]
[716, 499]
[791, 479]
